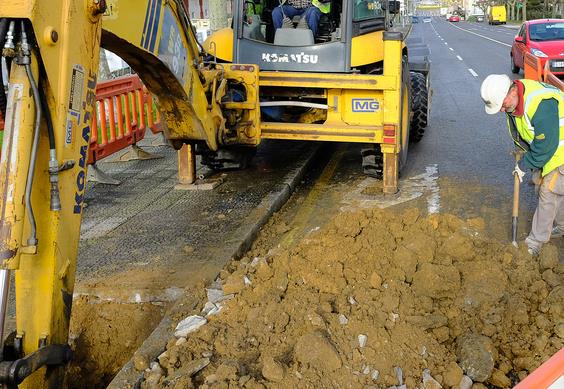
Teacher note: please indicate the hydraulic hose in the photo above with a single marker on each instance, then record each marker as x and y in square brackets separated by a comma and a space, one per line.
[55, 199]
[32, 240]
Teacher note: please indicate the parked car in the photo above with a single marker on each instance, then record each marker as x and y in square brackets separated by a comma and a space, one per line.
[454, 18]
[427, 19]
[544, 38]
[480, 18]
[414, 19]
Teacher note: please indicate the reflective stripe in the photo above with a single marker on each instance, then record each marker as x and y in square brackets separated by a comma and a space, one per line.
[530, 127]
[561, 143]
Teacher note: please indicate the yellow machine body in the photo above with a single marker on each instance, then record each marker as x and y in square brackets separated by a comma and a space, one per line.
[65, 39]
[215, 104]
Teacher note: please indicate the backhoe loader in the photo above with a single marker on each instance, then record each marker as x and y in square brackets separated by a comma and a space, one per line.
[352, 84]
[355, 80]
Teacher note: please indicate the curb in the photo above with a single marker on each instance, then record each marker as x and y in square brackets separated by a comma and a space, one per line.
[154, 345]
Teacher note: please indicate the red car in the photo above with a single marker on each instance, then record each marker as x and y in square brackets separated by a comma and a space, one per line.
[544, 38]
[454, 18]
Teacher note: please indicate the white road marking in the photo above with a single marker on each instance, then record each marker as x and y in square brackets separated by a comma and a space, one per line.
[451, 49]
[459, 57]
[446, 43]
[482, 36]
[473, 72]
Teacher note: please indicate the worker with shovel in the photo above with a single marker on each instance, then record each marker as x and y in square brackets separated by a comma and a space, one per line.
[535, 116]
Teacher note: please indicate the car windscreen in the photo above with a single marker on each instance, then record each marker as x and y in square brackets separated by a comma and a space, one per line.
[546, 31]
[367, 9]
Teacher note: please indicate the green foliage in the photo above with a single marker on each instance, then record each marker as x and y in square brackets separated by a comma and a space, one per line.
[472, 19]
[536, 13]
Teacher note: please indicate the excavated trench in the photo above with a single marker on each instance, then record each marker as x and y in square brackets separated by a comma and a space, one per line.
[372, 299]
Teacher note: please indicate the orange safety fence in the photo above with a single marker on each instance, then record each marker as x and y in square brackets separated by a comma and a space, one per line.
[124, 110]
[534, 71]
[550, 375]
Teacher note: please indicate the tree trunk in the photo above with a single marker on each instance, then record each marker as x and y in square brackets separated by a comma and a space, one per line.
[524, 10]
[218, 14]
[103, 68]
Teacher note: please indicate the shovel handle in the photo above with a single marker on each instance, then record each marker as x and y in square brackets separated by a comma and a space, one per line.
[515, 213]
[515, 196]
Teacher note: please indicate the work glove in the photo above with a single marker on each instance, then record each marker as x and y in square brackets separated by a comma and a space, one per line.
[520, 173]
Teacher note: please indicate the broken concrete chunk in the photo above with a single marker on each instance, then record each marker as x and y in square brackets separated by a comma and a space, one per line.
[362, 339]
[375, 374]
[215, 295]
[211, 309]
[429, 382]
[163, 358]
[465, 383]
[476, 356]
[188, 325]
[399, 376]
[153, 376]
[255, 261]
[352, 301]
[343, 320]
[180, 341]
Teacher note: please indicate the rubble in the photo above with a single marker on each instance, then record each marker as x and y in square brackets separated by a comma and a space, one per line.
[373, 291]
[188, 325]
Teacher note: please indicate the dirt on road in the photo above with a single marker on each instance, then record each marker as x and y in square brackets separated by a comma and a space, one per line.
[373, 299]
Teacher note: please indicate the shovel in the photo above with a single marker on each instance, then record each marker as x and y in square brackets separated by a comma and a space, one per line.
[515, 214]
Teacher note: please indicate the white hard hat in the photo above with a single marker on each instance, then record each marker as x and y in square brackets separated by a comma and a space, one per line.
[493, 91]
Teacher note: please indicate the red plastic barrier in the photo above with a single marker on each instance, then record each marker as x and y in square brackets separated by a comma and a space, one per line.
[124, 109]
[546, 375]
[551, 79]
[534, 71]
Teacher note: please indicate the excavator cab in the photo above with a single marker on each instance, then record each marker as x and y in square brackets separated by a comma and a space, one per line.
[294, 46]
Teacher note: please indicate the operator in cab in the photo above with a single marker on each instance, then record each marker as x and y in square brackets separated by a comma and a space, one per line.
[311, 10]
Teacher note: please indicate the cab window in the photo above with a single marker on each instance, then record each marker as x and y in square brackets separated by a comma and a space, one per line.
[367, 9]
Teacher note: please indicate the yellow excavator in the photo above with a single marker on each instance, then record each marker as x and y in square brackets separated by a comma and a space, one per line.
[359, 91]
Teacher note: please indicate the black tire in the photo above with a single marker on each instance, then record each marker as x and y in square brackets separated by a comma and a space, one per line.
[419, 107]
[514, 68]
[404, 115]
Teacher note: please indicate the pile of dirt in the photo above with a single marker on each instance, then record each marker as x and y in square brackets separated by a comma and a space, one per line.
[376, 299]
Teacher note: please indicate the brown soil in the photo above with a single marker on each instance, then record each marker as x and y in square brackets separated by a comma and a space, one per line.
[369, 292]
[104, 335]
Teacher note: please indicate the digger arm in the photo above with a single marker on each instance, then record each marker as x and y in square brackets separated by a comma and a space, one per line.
[53, 75]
